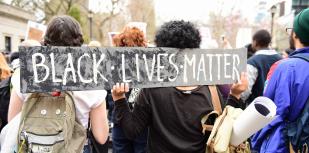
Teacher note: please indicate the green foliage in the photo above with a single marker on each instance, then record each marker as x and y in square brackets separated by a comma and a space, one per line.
[75, 13]
[86, 39]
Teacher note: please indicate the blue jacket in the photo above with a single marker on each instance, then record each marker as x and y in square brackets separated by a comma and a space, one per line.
[288, 87]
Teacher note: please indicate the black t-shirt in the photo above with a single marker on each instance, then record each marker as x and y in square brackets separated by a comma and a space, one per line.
[173, 117]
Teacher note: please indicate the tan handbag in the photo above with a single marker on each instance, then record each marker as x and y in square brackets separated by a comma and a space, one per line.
[218, 141]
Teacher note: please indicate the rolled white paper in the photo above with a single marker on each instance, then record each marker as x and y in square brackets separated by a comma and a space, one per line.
[256, 116]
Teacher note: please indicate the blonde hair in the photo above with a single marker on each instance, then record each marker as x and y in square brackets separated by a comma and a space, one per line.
[94, 44]
[30, 42]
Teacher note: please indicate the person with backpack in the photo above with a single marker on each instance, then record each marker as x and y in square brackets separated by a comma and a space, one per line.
[288, 87]
[173, 114]
[62, 116]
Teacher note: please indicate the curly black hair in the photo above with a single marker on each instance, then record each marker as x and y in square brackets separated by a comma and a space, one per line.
[178, 34]
[63, 31]
[262, 38]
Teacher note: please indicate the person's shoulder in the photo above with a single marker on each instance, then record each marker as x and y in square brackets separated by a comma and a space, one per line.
[291, 62]
[90, 92]
[155, 90]
[90, 95]
[265, 56]
[159, 91]
[90, 98]
[256, 58]
[253, 57]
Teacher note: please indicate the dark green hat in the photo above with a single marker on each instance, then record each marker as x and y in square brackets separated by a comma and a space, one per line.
[301, 25]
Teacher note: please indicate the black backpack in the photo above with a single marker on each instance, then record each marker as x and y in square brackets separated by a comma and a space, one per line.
[298, 131]
[5, 94]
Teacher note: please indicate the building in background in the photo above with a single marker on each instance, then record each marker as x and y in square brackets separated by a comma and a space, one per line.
[299, 5]
[261, 10]
[283, 19]
[13, 26]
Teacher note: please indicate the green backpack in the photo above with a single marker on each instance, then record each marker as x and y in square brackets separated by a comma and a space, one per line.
[49, 125]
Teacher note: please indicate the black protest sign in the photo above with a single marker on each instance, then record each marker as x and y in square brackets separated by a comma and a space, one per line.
[51, 68]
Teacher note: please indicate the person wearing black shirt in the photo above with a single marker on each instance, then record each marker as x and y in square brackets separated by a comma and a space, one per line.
[172, 114]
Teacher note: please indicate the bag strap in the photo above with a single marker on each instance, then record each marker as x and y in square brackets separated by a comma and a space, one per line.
[301, 56]
[215, 99]
[216, 126]
[291, 148]
[291, 125]
[217, 109]
[208, 127]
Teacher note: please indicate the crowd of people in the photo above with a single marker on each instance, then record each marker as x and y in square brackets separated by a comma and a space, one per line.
[158, 120]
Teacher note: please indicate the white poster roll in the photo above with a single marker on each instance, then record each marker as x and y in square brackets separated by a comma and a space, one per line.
[256, 116]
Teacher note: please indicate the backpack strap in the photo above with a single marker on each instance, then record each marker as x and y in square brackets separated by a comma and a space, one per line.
[291, 148]
[215, 99]
[217, 109]
[301, 56]
[295, 131]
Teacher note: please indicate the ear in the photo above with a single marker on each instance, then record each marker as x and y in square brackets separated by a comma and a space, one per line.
[253, 44]
[294, 35]
[297, 41]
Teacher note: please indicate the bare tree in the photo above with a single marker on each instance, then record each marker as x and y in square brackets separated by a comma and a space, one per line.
[143, 11]
[103, 21]
[226, 23]
[114, 19]
[121, 13]
[49, 8]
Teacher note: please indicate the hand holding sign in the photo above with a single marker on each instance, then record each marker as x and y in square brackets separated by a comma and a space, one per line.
[119, 90]
[241, 86]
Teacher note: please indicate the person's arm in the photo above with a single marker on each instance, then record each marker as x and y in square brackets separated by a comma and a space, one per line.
[236, 90]
[15, 105]
[279, 89]
[252, 76]
[99, 123]
[135, 122]
[235, 102]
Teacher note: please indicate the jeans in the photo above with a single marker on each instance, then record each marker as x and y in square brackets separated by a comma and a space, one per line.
[86, 149]
[123, 145]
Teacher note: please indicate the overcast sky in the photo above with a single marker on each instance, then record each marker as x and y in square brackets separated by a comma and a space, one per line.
[199, 9]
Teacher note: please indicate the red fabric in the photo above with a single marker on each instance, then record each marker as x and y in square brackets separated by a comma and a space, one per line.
[56, 94]
[272, 69]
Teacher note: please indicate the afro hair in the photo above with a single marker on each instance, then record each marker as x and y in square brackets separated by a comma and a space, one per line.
[178, 34]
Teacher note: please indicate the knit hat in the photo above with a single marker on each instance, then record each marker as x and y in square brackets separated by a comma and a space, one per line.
[301, 25]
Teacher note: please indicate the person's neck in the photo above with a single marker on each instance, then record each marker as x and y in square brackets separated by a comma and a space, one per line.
[299, 46]
[262, 48]
[186, 88]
